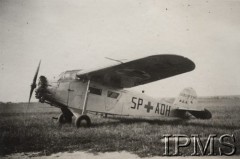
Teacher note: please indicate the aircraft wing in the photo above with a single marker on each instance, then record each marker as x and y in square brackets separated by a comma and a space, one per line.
[140, 71]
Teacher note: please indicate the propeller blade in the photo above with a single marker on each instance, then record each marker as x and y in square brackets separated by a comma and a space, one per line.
[34, 84]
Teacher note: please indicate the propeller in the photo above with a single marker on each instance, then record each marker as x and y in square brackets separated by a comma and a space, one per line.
[34, 84]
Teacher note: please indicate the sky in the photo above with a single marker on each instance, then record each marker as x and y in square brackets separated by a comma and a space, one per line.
[79, 34]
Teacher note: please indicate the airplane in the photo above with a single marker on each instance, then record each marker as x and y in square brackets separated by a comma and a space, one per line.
[80, 92]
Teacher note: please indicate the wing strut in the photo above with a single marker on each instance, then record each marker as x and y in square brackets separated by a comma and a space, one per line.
[84, 112]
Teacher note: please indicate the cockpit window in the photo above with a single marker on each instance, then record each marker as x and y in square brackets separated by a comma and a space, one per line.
[68, 75]
[61, 76]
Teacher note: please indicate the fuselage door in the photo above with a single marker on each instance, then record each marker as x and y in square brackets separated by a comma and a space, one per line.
[95, 100]
[111, 100]
[61, 94]
[76, 94]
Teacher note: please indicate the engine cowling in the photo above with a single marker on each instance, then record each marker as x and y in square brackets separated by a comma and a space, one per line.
[41, 90]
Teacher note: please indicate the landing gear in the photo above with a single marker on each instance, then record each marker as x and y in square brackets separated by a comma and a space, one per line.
[83, 121]
[64, 119]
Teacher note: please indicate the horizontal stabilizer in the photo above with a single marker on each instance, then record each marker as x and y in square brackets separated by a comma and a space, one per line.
[204, 114]
[185, 114]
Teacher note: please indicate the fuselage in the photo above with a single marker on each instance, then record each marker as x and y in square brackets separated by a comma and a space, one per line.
[70, 93]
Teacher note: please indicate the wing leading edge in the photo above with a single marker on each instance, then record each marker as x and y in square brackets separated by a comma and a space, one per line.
[140, 71]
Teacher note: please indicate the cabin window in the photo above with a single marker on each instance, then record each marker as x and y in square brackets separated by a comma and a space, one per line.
[112, 94]
[95, 91]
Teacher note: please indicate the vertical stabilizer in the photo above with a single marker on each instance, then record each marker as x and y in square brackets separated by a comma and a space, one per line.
[187, 99]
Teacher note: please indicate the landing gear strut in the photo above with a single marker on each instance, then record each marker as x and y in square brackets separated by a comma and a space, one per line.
[65, 116]
[83, 120]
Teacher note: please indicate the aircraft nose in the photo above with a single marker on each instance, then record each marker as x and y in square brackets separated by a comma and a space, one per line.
[41, 87]
[43, 82]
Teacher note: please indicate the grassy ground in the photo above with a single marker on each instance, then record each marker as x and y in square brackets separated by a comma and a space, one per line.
[37, 131]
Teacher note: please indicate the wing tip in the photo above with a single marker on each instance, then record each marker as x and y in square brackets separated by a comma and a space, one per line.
[190, 63]
[177, 59]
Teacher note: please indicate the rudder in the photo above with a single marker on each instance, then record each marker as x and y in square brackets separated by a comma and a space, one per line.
[187, 99]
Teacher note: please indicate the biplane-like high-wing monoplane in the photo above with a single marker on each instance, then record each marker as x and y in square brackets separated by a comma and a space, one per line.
[79, 92]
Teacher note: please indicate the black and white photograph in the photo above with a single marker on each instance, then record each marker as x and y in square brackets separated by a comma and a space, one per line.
[113, 79]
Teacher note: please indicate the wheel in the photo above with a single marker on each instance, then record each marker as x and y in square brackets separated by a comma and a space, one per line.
[83, 121]
[63, 119]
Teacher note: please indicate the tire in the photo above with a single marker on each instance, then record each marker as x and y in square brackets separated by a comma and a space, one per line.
[63, 119]
[80, 119]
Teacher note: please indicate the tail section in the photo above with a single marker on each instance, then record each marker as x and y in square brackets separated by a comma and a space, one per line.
[187, 102]
[187, 99]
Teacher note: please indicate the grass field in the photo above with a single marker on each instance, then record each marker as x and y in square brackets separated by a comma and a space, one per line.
[36, 131]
